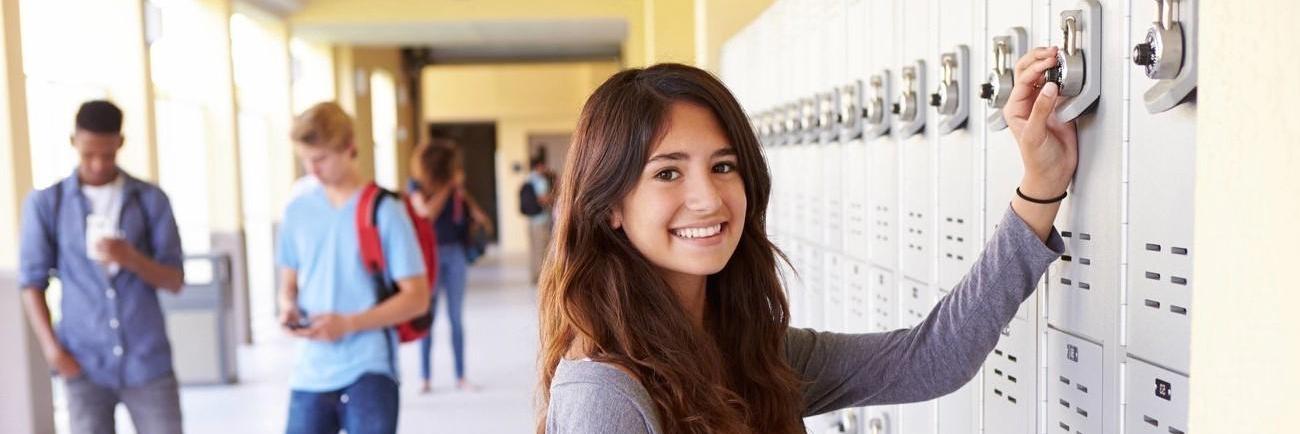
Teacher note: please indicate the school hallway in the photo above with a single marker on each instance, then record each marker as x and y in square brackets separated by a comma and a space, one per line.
[501, 344]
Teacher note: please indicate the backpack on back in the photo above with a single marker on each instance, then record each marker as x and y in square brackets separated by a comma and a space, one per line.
[372, 254]
[528, 204]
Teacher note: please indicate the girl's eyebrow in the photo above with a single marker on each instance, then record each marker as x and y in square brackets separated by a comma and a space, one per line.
[679, 156]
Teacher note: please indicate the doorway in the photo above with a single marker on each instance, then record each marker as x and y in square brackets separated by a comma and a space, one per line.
[478, 146]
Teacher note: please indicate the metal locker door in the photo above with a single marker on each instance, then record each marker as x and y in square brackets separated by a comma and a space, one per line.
[1161, 179]
[916, 142]
[834, 293]
[882, 149]
[915, 300]
[857, 297]
[1083, 287]
[959, 163]
[815, 287]
[884, 317]
[1157, 400]
[1076, 398]
[1011, 381]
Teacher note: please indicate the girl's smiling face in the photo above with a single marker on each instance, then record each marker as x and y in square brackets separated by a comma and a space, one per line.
[687, 210]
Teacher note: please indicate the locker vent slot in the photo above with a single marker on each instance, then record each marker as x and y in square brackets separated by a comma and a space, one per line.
[1065, 403]
[1173, 430]
[1067, 234]
[1084, 285]
[1153, 247]
[1011, 398]
[1065, 380]
[1011, 358]
[1178, 309]
[1178, 280]
[1085, 261]
[1153, 276]
[1081, 388]
[1065, 281]
[1066, 258]
[1012, 378]
[1085, 237]
[1081, 411]
[1153, 304]
[997, 392]
[1178, 251]
[1063, 426]
[1150, 420]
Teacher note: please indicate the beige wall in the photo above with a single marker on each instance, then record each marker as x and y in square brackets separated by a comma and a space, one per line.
[356, 63]
[1246, 332]
[718, 21]
[522, 99]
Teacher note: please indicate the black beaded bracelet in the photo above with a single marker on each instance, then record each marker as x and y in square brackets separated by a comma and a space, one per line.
[1040, 201]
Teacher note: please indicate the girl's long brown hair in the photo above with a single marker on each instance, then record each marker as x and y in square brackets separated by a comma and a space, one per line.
[597, 289]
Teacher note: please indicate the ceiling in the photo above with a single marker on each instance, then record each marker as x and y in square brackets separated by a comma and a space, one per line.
[454, 41]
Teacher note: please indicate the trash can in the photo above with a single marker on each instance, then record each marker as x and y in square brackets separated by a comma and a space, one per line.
[200, 324]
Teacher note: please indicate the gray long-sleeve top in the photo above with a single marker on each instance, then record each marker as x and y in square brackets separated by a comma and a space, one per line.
[932, 359]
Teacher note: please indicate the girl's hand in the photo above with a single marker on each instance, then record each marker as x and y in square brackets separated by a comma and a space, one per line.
[1048, 147]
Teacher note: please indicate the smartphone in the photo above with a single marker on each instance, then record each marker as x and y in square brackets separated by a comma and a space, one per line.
[302, 322]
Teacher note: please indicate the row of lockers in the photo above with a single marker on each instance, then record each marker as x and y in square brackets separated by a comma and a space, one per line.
[891, 165]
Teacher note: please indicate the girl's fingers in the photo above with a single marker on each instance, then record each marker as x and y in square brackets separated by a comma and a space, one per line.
[1032, 56]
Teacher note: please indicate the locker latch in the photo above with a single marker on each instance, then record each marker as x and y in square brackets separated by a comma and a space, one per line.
[808, 120]
[1069, 72]
[997, 90]
[1001, 80]
[1167, 54]
[946, 97]
[827, 119]
[909, 107]
[1078, 69]
[1161, 54]
[952, 107]
[850, 111]
[906, 105]
[874, 109]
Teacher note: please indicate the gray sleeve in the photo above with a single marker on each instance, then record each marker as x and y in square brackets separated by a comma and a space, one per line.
[943, 352]
[590, 408]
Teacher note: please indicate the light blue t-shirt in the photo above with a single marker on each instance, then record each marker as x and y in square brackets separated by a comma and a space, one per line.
[541, 186]
[319, 242]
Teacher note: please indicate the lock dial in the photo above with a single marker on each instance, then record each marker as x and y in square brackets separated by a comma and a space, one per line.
[1078, 69]
[876, 110]
[1001, 80]
[1166, 53]
[910, 104]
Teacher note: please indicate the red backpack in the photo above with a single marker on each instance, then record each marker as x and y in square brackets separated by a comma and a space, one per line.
[372, 254]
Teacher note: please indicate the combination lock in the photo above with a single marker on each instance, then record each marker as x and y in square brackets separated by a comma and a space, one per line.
[874, 109]
[1161, 54]
[906, 106]
[947, 97]
[997, 90]
[1069, 72]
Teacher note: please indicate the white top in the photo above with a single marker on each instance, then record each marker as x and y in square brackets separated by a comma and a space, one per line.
[103, 219]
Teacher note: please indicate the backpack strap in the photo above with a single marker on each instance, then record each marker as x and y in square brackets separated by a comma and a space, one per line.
[372, 252]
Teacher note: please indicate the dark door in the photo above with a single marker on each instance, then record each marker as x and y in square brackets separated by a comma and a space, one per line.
[478, 145]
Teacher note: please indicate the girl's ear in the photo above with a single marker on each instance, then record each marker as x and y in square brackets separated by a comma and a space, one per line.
[616, 219]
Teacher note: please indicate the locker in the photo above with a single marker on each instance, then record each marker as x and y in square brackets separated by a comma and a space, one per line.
[1011, 381]
[914, 131]
[857, 297]
[794, 284]
[959, 165]
[1161, 180]
[832, 187]
[884, 311]
[915, 300]
[835, 306]
[1083, 288]
[1157, 400]
[959, 411]
[882, 199]
[1075, 391]
[854, 193]
[815, 288]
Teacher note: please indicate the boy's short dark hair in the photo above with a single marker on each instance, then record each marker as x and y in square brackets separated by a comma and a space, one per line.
[539, 157]
[99, 116]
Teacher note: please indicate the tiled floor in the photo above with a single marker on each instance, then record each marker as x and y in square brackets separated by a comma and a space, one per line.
[501, 341]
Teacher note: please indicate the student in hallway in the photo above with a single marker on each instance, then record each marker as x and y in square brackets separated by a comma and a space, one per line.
[438, 192]
[535, 198]
[346, 377]
[113, 243]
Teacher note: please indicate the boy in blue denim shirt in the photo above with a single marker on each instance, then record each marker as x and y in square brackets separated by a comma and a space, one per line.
[346, 376]
[113, 242]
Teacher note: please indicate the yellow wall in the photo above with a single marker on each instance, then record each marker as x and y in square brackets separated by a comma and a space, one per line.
[719, 20]
[353, 63]
[522, 99]
[1245, 332]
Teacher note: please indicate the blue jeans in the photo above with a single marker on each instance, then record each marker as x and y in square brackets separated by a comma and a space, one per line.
[367, 406]
[452, 270]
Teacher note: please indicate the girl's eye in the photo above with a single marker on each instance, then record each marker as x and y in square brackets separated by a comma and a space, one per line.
[667, 175]
[727, 167]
